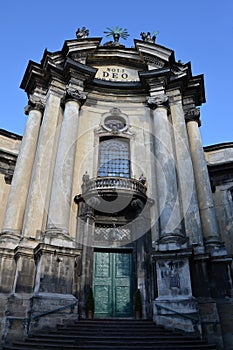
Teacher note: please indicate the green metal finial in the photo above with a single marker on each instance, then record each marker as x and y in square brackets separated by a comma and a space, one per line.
[116, 33]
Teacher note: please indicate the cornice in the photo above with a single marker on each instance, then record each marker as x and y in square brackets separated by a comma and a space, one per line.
[34, 76]
[154, 78]
[218, 146]
[82, 71]
[42, 74]
[154, 50]
[196, 89]
[73, 64]
[10, 134]
[87, 45]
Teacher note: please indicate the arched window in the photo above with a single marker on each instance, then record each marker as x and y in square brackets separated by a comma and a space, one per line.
[114, 158]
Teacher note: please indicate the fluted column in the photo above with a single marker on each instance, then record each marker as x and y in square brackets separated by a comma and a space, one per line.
[204, 193]
[168, 200]
[13, 220]
[60, 201]
[187, 188]
[39, 192]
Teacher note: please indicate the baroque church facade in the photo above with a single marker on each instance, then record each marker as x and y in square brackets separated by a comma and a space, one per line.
[111, 190]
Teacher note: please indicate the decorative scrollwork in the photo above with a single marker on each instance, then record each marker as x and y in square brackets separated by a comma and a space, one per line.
[157, 101]
[34, 103]
[72, 94]
[193, 115]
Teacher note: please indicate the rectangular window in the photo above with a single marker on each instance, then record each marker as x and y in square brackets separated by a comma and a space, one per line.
[114, 157]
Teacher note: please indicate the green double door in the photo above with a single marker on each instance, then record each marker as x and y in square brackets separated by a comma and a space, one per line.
[112, 284]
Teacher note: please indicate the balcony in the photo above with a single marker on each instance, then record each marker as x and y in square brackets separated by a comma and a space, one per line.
[112, 184]
[113, 194]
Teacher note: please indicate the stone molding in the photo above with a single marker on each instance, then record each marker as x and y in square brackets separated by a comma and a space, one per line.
[193, 115]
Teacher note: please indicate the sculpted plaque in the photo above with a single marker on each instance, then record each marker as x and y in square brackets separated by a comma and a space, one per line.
[117, 73]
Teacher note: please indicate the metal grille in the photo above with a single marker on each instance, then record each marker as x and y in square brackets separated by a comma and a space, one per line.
[110, 233]
[114, 158]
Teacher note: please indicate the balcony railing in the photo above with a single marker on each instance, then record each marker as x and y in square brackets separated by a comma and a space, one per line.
[114, 184]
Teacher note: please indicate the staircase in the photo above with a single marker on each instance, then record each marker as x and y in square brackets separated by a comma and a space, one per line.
[110, 335]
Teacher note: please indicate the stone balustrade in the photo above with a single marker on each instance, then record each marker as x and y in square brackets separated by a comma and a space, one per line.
[114, 183]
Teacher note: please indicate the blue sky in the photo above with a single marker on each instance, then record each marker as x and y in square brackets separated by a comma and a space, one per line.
[197, 31]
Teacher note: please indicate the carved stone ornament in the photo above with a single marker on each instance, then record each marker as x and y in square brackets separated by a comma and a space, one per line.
[154, 61]
[82, 33]
[157, 101]
[34, 103]
[147, 37]
[79, 96]
[193, 115]
[114, 122]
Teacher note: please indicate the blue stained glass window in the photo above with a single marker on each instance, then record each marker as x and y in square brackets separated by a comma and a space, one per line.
[114, 159]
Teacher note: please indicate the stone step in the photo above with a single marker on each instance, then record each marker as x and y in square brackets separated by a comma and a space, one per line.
[114, 336]
[111, 335]
[115, 340]
[19, 346]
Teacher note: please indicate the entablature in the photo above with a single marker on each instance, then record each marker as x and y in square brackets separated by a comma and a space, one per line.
[144, 69]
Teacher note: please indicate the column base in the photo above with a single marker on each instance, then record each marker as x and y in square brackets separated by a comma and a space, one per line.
[215, 247]
[58, 237]
[10, 238]
[172, 241]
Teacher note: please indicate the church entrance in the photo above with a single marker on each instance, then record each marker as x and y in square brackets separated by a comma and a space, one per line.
[112, 284]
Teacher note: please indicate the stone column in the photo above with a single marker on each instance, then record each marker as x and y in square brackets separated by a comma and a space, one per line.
[13, 220]
[204, 193]
[168, 199]
[60, 201]
[37, 201]
[187, 187]
[86, 227]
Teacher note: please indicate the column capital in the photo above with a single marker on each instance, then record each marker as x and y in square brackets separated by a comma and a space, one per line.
[73, 94]
[157, 101]
[34, 103]
[193, 115]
